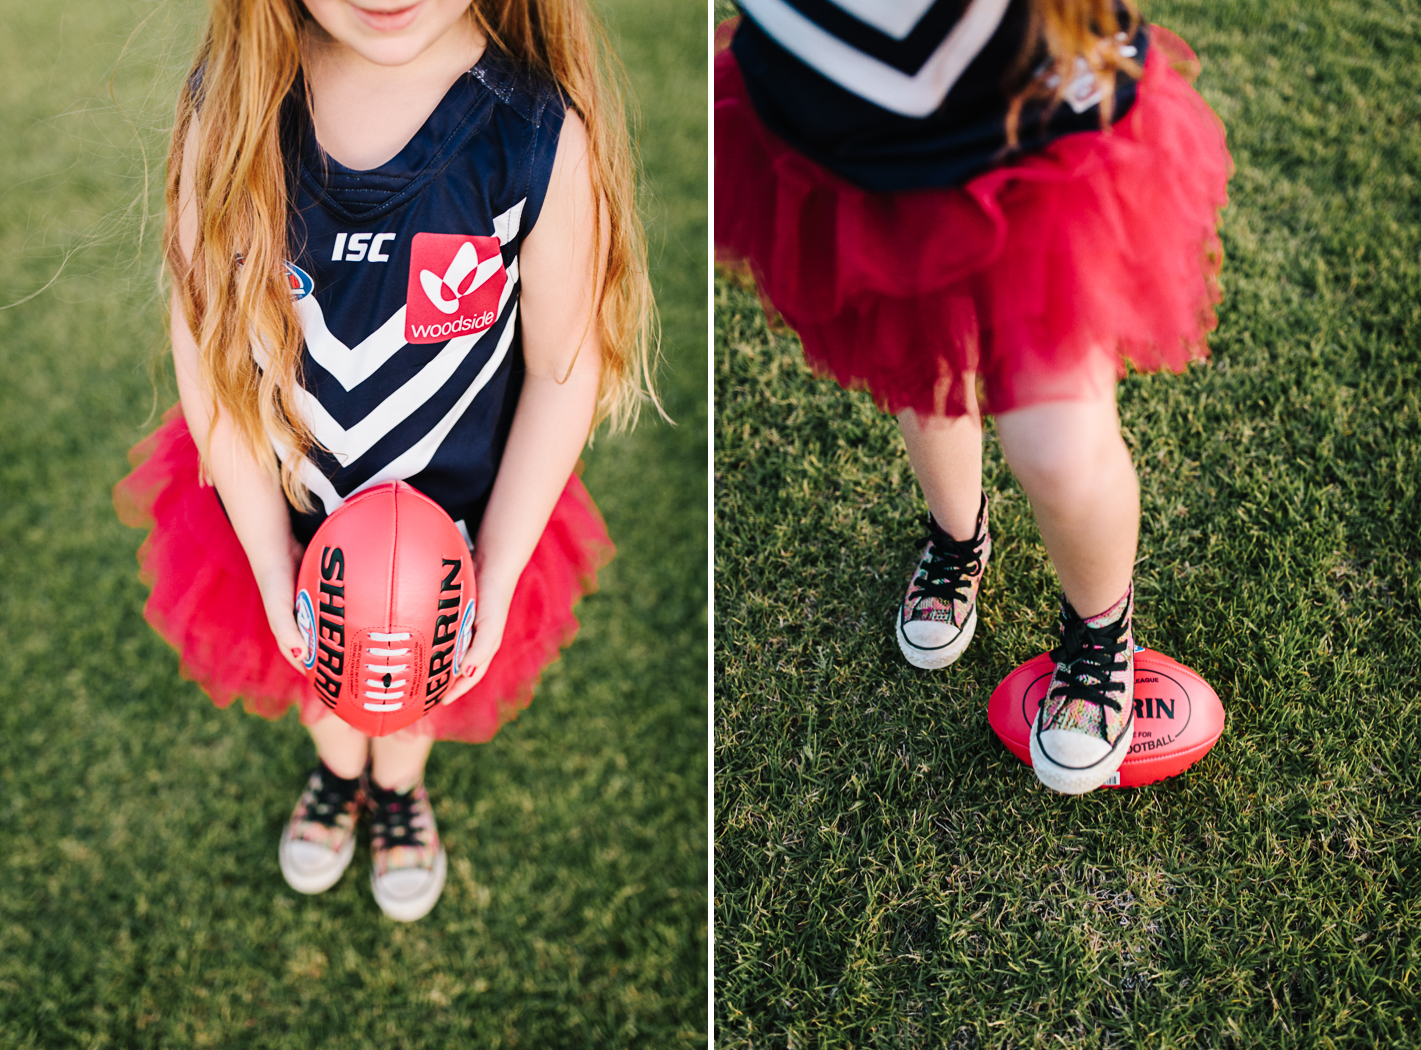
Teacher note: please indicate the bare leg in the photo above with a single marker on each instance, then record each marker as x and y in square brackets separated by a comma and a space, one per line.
[946, 454]
[344, 750]
[1073, 463]
[398, 759]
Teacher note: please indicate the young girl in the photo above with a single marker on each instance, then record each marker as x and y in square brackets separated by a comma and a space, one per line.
[403, 245]
[972, 206]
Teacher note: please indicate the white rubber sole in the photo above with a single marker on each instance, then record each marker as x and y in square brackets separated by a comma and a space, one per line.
[1078, 781]
[314, 879]
[935, 659]
[416, 906]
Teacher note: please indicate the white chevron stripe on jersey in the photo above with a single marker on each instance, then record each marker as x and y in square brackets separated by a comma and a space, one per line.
[349, 444]
[416, 457]
[895, 19]
[320, 485]
[351, 366]
[917, 95]
[506, 226]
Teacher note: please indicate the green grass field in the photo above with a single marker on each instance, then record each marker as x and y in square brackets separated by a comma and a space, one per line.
[887, 874]
[140, 901]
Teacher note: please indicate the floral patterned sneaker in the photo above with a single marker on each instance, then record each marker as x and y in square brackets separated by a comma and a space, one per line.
[409, 863]
[319, 840]
[939, 614]
[1084, 726]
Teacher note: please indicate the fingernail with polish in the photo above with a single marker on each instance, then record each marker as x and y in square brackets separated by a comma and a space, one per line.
[297, 651]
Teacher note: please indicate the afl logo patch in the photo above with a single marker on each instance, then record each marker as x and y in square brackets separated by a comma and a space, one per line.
[455, 285]
[306, 624]
[466, 636]
[299, 281]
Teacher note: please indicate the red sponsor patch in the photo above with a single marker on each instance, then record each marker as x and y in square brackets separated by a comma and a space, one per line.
[455, 285]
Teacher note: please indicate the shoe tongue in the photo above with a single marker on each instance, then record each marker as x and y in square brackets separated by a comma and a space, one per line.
[1110, 615]
[331, 782]
[942, 536]
[383, 794]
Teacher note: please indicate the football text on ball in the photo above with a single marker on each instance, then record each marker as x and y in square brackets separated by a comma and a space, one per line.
[446, 633]
[330, 662]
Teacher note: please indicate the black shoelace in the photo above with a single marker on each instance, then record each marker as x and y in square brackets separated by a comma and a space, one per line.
[949, 565]
[393, 820]
[1091, 655]
[332, 797]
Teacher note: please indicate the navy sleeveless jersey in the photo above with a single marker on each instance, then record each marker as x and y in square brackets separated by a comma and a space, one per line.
[406, 283]
[898, 95]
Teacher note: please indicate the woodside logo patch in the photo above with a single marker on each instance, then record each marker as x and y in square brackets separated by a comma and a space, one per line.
[455, 284]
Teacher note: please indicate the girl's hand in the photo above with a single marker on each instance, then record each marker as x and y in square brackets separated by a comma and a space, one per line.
[489, 623]
[277, 584]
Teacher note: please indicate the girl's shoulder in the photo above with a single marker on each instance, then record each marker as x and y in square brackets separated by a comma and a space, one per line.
[529, 93]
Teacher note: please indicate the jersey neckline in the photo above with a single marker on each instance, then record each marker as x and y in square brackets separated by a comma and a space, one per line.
[362, 196]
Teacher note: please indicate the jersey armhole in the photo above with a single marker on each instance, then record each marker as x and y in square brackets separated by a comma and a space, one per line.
[537, 167]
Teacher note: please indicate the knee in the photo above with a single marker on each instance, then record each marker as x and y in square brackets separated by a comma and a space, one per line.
[1066, 474]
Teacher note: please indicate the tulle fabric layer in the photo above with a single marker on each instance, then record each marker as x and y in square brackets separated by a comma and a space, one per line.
[205, 602]
[1100, 247]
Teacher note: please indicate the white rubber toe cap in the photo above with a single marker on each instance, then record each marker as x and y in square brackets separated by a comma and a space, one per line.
[1073, 750]
[312, 868]
[930, 634]
[409, 894]
[1074, 763]
[931, 644]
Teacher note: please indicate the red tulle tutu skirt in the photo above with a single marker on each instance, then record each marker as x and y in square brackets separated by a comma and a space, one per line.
[206, 605]
[1036, 276]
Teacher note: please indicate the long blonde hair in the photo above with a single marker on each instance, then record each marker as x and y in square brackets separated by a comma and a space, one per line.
[1072, 32]
[234, 290]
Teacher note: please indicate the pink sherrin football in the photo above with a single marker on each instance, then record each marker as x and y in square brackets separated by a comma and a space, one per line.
[1177, 716]
[385, 602]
